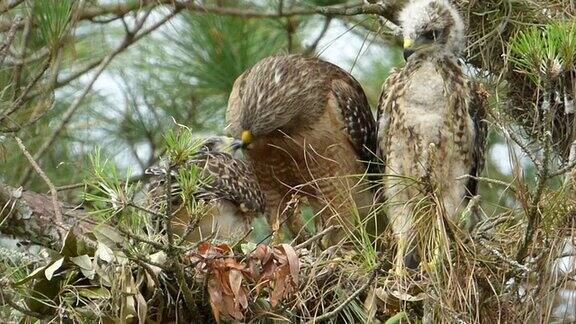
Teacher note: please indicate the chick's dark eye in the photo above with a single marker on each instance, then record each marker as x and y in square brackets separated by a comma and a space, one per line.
[429, 35]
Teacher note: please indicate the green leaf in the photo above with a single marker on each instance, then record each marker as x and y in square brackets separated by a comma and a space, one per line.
[95, 293]
[70, 246]
[83, 261]
[211, 55]
[108, 236]
[397, 318]
[104, 253]
[33, 275]
[51, 269]
[88, 273]
[248, 247]
[543, 53]
[42, 295]
[181, 144]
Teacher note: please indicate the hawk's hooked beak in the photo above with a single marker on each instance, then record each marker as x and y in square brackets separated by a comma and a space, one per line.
[408, 48]
[242, 143]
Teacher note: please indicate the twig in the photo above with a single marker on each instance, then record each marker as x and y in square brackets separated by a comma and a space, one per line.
[508, 186]
[310, 49]
[19, 60]
[21, 99]
[524, 269]
[522, 146]
[571, 163]
[71, 186]
[146, 210]
[338, 10]
[174, 255]
[9, 39]
[191, 227]
[168, 212]
[17, 75]
[53, 192]
[533, 213]
[141, 239]
[187, 292]
[387, 12]
[67, 115]
[338, 309]
[316, 237]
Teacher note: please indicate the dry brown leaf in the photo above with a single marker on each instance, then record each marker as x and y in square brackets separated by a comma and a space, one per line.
[293, 261]
[235, 278]
[277, 294]
[273, 270]
[231, 308]
[242, 298]
[223, 279]
[215, 298]
[260, 252]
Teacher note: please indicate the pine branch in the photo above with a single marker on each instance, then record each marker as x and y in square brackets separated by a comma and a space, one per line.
[387, 10]
[133, 36]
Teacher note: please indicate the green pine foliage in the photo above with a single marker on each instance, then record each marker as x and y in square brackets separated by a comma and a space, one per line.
[544, 53]
[53, 19]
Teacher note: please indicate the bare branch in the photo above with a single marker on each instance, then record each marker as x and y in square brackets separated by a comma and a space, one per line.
[522, 268]
[533, 214]
[316, 237]
[9, 39]
[315, 43]
[53, 192]
[20, 66]
[571, 163]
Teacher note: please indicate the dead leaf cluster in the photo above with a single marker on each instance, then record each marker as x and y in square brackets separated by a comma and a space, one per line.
[234, 281]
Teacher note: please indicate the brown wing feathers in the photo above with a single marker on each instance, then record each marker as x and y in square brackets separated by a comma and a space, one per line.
[356, 112]
[477, 110]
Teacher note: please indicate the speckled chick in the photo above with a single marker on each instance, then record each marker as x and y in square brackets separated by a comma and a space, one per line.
[431, 131]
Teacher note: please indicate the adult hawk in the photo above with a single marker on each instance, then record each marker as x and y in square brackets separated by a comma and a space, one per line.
[306, 127]
[431, 129]
[227, 186]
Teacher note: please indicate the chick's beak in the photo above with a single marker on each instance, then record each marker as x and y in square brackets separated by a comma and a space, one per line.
[243, 142]
[236, 145]
[408, 48]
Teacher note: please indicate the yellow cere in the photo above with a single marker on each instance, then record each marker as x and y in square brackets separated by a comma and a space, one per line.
[408, 43]
[247, 136]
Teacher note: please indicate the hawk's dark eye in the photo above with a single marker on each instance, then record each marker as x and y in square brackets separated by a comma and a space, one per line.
[432, 34]
[429, 35]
